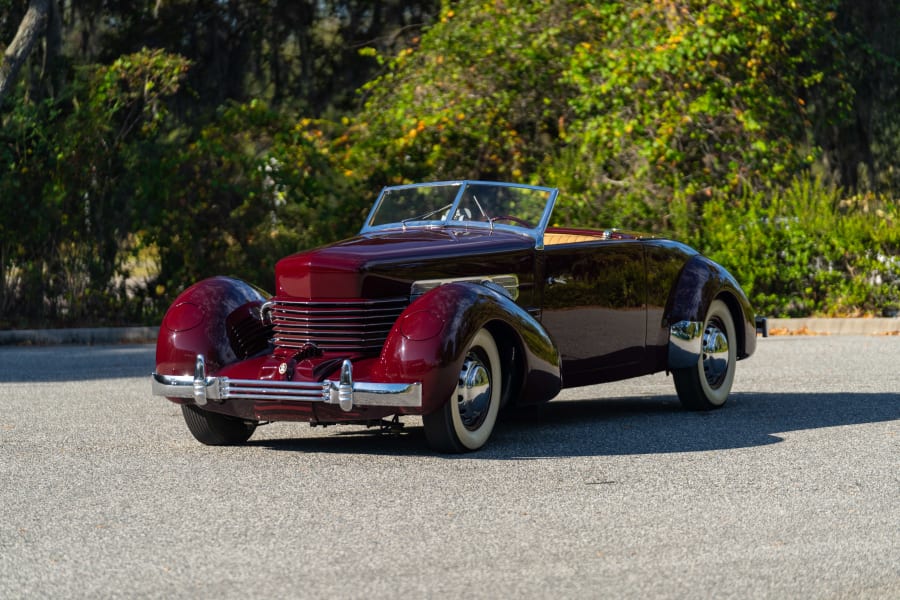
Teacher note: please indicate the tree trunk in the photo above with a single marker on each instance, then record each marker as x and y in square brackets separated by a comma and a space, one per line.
[30, 29]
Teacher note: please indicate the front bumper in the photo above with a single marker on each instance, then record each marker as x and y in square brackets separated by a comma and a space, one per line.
[345, 392]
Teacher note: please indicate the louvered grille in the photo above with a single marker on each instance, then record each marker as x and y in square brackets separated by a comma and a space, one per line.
[249, 336]
[339, 326]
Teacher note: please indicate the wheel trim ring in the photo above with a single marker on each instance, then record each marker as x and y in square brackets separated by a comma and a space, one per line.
[716, 354]
[474, 391]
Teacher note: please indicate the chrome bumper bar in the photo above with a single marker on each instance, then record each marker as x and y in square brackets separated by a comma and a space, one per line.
[345, 392]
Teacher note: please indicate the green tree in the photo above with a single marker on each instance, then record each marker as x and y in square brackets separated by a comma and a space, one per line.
[860, 140]
[690, 98]
[479, 96]
[672, 115]
[251, 187]
[297, 54]
[69, 187]
[623, 104]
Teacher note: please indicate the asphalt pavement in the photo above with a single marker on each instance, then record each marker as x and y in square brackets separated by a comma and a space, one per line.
[792, 490]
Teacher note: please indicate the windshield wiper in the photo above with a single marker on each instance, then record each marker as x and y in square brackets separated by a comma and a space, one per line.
[426, 215]
[483, 214]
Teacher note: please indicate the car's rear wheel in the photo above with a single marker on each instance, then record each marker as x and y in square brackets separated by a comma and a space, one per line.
[466, 420]
[214, 429]
[706, 385]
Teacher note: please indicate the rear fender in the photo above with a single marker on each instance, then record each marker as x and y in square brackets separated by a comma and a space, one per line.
[700, 282]
[428, 342]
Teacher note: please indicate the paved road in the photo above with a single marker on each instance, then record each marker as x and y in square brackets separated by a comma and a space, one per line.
[792, 490]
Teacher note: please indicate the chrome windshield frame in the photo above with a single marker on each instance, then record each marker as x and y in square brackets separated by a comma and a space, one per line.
[537, 232]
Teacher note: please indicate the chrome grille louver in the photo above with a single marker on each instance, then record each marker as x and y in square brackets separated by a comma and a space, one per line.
[248, 337]
[334, 326]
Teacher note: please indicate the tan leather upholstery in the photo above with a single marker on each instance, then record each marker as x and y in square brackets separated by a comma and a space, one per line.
[551, 239]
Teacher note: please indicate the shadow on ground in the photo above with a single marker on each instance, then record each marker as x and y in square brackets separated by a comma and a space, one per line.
[627, 426]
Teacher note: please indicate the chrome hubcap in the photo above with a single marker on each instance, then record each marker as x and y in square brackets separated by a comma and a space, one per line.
[715, 353]
[473, 392]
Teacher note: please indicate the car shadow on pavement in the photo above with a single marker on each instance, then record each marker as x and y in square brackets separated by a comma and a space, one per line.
[627, 426]
[660, 425]
[353, 439]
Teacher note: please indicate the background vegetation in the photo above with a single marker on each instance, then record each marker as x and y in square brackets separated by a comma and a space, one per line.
[145, 145]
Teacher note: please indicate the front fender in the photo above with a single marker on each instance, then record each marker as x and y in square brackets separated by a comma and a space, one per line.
[428, 342]
[700, 282]
[218, 318]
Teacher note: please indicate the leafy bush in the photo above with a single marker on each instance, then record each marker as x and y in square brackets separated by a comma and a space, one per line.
[72, 194]
[802, 250]
[251, 187]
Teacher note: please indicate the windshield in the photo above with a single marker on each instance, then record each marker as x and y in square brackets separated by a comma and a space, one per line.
[463, 203]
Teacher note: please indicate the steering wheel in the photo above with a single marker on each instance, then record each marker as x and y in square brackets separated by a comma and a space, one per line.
[515, 220]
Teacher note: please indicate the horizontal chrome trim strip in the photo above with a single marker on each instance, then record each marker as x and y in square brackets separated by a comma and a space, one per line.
[340, 304]
[322, 337]
[327, 346]
[335, 331]
[508, 282]
[337, 320]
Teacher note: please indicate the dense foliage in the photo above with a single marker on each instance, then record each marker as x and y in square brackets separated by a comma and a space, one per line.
[149, 144]
[805, 249]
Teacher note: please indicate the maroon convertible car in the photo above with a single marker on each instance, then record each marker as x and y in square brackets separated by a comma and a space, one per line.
[455, 300]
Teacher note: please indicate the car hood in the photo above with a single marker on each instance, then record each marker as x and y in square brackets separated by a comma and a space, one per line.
[384, 264]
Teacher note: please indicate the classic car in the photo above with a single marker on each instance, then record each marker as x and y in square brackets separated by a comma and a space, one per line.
[455, 300]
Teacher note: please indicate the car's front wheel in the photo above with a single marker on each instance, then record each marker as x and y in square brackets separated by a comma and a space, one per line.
[707, 384]
[466, 420]
[214, 429]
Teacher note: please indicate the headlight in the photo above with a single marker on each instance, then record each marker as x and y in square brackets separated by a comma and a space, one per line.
[421, 325]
